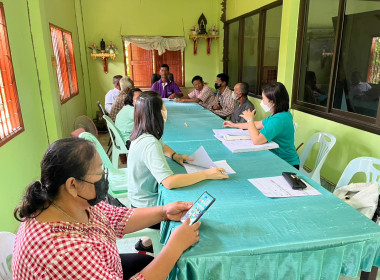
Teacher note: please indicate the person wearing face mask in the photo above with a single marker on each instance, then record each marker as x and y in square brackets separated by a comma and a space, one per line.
[202, 94]
[147, 165]
[240, 94]
[68, 232]
[278, 127]
[223, 104]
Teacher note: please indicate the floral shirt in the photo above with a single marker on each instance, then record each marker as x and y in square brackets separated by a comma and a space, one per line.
[65, 250]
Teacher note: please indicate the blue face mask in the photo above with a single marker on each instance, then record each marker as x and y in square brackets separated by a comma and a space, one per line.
[101, 190]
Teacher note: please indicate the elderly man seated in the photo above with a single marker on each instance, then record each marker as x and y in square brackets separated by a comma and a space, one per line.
[126, 84]
[241, 95]
[202, 94]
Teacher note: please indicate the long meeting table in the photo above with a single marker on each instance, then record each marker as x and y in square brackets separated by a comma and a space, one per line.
[246, 235]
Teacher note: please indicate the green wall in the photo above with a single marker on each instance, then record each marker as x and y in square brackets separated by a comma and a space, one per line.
[60, 117]
[351, 142]
[21, 156]
[148, 18]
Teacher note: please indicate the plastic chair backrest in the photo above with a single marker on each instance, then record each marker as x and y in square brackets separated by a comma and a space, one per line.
[360, 165]
[7, 241]
[101, 108]
[118, 143]
[99, 148]
[326, 142]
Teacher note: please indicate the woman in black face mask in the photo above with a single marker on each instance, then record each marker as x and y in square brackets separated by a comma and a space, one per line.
[67, 231]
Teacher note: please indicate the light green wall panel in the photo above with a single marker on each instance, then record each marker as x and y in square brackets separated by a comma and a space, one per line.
[20, 157]
[60, 117]
[351, 142]
[148, 18]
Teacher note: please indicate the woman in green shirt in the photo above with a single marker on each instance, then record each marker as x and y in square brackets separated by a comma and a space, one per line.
[278, 127]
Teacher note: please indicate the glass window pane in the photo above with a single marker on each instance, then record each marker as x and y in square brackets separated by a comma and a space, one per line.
[317, 52]
[251, 37]
[271, 45]
[357, 86]
[233, 52]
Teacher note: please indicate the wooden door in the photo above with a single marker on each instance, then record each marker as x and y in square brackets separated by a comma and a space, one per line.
[140, 64]
[174, 60]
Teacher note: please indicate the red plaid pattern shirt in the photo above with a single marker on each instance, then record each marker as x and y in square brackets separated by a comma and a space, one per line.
[64, 250]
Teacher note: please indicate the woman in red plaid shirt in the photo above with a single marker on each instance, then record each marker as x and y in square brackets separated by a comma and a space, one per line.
[67, 232]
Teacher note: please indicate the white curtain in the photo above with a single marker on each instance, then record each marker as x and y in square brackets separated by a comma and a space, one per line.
[158, 43]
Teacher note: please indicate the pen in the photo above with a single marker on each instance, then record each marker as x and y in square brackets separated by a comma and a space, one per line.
[186, 124]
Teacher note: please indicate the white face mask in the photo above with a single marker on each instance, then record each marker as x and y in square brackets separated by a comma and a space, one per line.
[265, 107]
[234, 97]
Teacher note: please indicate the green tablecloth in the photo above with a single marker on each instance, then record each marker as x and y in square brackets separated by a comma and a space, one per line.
[245, 235]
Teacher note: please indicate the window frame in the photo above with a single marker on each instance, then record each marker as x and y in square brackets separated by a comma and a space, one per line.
[328, 112]
[17, 110]
[74, 93]
[261, 41]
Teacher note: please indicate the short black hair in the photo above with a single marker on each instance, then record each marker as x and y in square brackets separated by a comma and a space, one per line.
[129, 99]
[148, 116]
[223, 77]
[277, 93]
[116, 79]
[197, 78]
[244, 88]
[165, 66]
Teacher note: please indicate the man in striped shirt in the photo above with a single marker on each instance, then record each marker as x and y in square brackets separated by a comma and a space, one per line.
[223, 103]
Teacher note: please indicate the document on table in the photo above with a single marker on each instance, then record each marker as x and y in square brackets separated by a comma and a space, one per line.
[241, 146]
[279, 187]
[231, 134]
[202, 161]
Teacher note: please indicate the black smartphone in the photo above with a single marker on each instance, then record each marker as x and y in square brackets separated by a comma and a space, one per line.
[294, 181]
[199, 208]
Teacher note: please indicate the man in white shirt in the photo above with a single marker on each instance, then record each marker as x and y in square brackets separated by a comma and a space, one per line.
[202, 94]
[113, 93]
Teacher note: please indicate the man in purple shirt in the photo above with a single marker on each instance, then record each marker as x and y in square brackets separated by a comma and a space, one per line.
[165, 87]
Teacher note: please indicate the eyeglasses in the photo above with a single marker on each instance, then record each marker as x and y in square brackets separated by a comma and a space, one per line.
[105, 174]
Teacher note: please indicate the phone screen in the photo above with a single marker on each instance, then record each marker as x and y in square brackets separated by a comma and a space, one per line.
[199, 208]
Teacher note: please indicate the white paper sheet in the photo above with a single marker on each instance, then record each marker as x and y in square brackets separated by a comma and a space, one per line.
[231, 134]
[279, 187]
[241, 146]
[202, 161]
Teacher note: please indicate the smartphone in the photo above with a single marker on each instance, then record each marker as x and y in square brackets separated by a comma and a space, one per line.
[199, 208]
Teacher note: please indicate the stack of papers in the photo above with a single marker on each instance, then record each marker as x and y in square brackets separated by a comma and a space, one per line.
[279, 187]
[238, 141]
[242, 146]
[202, 161]
[231, 134]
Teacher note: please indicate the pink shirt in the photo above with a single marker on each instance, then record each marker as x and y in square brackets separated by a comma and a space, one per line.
[206, 95]
[65, 250]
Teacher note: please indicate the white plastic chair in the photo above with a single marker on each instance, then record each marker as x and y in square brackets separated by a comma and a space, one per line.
[7, 241]
[118, 143]
[326, 142]
[118, 179]
[360, 165]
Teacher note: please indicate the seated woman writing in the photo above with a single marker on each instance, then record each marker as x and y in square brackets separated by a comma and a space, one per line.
[278, 127]
[67, 232]
[147, 166]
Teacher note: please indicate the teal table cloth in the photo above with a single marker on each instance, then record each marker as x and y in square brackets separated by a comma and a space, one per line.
[246, 235]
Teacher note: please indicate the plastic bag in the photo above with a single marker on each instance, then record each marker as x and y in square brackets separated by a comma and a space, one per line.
[361, 196]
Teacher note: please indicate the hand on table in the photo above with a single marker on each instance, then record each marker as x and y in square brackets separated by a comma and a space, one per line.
[180, 100]
[180, 159]
[216, 173]
[228, 124]
[216, 107]
[172, 96]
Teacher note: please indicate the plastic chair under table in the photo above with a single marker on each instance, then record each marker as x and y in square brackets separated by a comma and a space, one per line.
[326, 141]
[118, 143]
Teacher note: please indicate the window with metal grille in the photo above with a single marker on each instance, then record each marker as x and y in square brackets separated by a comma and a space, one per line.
[64, 55]
[10, 114]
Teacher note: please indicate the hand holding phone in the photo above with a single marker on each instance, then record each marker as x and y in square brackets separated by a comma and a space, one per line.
[199, 208]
